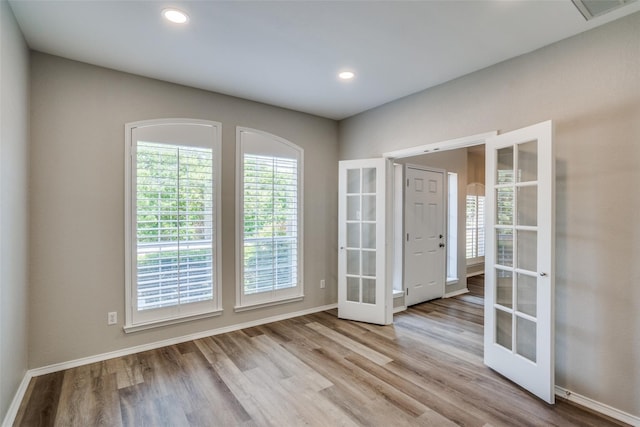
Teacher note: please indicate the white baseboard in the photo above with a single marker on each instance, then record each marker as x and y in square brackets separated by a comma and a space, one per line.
[456, 293]
[17, 400]
[598, 406]
[399, 309]
[475, 273]
[10, 417]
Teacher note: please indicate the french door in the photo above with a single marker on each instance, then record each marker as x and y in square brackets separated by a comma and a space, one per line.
[519, 258]
[364, 286]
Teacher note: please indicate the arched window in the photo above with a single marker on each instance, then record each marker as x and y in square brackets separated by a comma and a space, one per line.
[269, 226]
[172, 221]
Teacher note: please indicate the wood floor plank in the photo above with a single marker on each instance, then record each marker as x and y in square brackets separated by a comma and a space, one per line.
[86, 399]
[352, 345]
[44, 395]
[426, 369]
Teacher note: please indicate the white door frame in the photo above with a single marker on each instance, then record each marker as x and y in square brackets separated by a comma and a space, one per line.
[433, 147]
[445, 220]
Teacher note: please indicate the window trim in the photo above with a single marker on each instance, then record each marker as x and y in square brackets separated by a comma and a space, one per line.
[249, 302]
[213, 309]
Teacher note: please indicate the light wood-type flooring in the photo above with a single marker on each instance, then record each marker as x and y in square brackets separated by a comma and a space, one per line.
[424, 370]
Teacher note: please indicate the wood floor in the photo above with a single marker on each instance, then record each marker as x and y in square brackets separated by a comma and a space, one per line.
[424, 370]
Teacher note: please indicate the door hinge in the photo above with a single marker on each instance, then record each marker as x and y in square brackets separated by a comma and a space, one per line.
[407, 237]
[407, 182]
[407, 291]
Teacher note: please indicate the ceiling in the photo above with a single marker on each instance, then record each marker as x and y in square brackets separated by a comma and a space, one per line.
[288, 53]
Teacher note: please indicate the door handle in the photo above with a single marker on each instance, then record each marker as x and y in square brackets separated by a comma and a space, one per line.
[441, 245]
[543, 274]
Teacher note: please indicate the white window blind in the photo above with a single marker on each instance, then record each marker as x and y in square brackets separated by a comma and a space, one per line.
[175, 234]
[270, 223]
[172, 221]
[270, 215]
[475, 223]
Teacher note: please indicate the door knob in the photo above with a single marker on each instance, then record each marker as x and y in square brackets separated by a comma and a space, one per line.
[543, 274]
[441, 245]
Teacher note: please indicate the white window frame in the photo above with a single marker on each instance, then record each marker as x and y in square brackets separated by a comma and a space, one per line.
[263, 143]
[166, 131]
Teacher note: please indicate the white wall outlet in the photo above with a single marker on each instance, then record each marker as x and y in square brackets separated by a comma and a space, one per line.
[112, 318]
[322, 284]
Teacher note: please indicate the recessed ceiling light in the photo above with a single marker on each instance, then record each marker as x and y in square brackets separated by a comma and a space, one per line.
[346, 75]
[176, 16]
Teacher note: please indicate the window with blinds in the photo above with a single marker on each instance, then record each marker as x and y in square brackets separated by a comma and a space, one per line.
[475, 227]
[269, 230]
[173, 217]
[174, 224]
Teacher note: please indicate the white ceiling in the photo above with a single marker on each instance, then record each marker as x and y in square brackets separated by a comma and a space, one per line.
[288, 53]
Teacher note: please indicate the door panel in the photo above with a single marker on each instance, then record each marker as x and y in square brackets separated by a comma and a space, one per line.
[425, 254]
[364, 290]
[519, 258]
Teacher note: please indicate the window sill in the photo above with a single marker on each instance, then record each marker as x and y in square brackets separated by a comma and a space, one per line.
[158, 324]
[240, 308]
[452, 281]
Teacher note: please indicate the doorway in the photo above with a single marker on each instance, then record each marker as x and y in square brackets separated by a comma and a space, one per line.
[454, 166]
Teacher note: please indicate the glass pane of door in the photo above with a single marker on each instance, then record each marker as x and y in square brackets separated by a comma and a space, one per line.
[361, 235]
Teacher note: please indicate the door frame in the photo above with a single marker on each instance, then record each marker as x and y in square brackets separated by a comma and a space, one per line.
[397, 246]
[445, 220]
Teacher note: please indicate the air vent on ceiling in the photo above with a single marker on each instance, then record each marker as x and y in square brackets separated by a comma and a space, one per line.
[593, 8]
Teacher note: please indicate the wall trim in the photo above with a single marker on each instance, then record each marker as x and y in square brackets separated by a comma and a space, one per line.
[450, 144]
[10, 417]
[597, 406]
[17, 399]
[456, 293]
[399, 309]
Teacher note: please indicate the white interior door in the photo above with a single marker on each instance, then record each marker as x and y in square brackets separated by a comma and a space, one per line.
[519, 258]
[364, 286]
[424, 246]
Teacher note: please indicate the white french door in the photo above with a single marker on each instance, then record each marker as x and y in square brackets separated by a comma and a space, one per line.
[364, 288]
[519, 258]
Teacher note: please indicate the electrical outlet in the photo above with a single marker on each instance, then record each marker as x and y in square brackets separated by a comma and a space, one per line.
[322, 284]
[112, 318]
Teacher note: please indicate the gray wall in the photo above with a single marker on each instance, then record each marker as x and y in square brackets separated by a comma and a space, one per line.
[590, 86]
[451, 161]
[14, 145]
[77, 202]
[475, 164]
